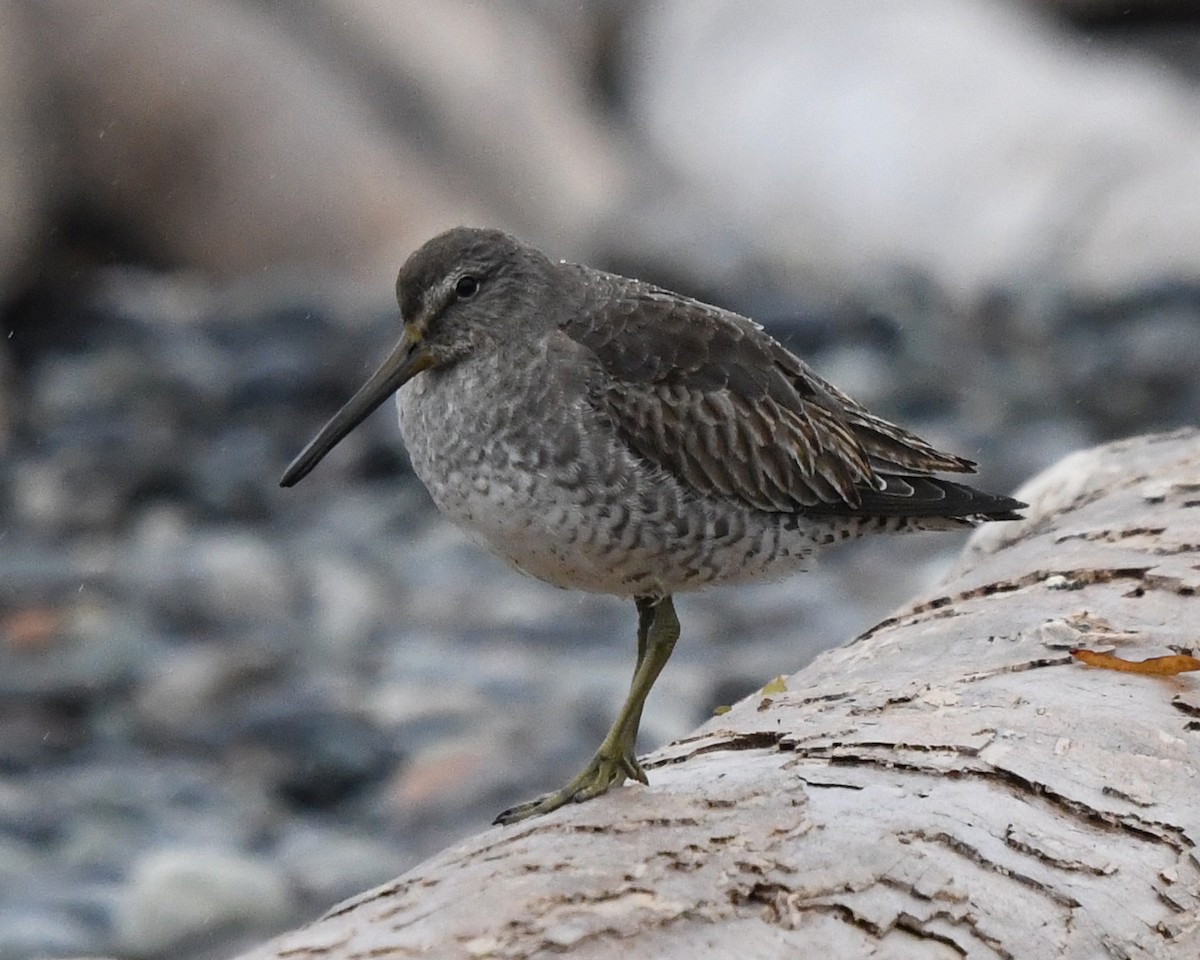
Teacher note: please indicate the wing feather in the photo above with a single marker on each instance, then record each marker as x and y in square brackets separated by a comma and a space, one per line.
[710, 398]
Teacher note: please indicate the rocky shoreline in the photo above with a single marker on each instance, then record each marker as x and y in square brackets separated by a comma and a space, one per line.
[227, 706]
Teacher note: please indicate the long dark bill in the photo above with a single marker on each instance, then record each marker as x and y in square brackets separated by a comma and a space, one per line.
[402, 364]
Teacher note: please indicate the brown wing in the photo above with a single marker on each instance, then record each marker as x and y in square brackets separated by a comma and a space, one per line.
[707, 396]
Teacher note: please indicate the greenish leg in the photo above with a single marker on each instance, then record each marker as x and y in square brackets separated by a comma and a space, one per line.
[646, 607]
[616, 760]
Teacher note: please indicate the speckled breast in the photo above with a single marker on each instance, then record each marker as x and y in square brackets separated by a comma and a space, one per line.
[516, 456]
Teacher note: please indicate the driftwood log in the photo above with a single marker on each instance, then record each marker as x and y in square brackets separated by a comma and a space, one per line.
[951, 783]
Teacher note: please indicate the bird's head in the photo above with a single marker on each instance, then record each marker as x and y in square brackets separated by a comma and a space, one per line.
[464, 290]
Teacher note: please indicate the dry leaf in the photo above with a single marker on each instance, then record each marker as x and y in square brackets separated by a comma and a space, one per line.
[1166, 666]
[775, 686]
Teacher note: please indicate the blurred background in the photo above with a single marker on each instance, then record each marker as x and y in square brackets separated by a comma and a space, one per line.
[224, 706]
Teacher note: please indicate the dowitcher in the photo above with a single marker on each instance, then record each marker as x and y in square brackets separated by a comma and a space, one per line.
[604, 434]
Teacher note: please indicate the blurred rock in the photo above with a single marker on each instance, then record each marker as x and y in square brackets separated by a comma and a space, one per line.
[190, 695]
[26, 180]
[203, 135]
[321, 142]
[314, 144]
[47, 933]
[181, 895]
[311, 755]
[80, 647]
[1119, 9]
[511, 111]
[224, 577]
[326, 864]
[974, 143]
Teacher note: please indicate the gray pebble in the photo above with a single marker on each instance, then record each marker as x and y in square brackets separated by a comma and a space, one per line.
[176, 896]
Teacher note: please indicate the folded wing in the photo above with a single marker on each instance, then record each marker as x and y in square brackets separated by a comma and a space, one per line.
[708, 397]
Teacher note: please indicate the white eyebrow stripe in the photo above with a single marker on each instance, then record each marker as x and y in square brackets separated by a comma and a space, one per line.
[435, 298]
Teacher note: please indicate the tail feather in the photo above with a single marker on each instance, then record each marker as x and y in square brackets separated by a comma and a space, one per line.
[915, 496]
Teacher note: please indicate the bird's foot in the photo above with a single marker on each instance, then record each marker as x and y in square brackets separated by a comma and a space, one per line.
[605, 770]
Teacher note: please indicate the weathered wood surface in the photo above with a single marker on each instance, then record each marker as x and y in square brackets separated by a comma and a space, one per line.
[949, 784]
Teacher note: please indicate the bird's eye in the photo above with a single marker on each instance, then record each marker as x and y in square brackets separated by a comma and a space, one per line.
[466, 287]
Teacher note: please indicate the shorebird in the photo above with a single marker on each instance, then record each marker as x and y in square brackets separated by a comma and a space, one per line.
[605, 434]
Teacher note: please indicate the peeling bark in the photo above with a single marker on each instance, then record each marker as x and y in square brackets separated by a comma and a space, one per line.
[949, 784]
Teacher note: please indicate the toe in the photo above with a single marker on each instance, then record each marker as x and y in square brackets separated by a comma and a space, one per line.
[602, 773]
[633, 770]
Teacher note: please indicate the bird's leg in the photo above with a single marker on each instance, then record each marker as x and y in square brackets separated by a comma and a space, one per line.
[646, 607]
[616, 759]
